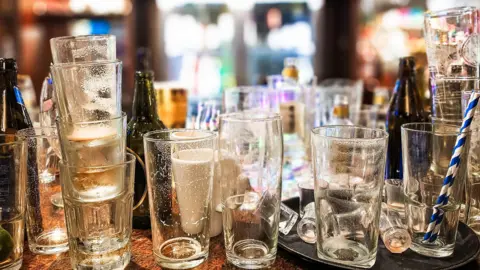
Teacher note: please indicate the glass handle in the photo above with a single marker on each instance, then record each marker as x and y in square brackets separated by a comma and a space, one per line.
[144, 195]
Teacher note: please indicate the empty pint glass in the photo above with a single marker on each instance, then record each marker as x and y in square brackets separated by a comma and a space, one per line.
[251, 156]
[349, 168]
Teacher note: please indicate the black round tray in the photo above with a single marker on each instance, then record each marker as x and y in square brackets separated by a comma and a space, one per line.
[467, 248]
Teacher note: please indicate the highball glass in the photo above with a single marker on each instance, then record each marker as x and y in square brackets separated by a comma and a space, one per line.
[426, 151]
[349, 167]
[13, 178]
[45, 219]
[251, 153]
[180, 171]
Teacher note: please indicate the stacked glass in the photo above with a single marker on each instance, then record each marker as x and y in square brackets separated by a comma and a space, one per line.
[452, 37]
[97, 175]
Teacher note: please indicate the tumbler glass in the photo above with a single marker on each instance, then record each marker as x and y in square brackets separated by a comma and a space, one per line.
[349, 167]
[251, 153]
[451, 37]
[99, 227]
[13, 177]
[180, 171]
[45, 219]
[88, 91]
[426, 150]
[87, 48]
[94, 143]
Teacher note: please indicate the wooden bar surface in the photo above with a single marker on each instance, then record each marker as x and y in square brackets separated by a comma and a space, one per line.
[142, 257]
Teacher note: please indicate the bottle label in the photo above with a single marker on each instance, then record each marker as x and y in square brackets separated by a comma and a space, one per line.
[18, 96]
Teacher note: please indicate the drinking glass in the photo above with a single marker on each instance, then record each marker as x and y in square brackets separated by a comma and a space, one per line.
[94, 143]
[365, 117]
[451, 37]
[394, 196]
[87, 48]
[349, 167]
[88, 91]
[45, 219]
[306, 227]
[250, 155]
[180, 172]
[99, 227]
[245, 98]
[13, 174]
[426, 150]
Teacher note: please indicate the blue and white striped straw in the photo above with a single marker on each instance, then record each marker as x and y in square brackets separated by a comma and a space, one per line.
[437, 216]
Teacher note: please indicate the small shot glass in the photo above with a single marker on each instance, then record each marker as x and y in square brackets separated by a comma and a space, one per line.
[393, 231]
[306, 227]
[394, 196]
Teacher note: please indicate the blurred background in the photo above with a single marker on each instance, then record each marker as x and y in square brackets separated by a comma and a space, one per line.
[210, 45]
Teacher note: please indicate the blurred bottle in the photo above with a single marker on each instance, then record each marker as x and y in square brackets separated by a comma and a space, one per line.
[405, 107]
[340, 112]
[290, 69]
[393, 232]
[144, 119]
[172, 103]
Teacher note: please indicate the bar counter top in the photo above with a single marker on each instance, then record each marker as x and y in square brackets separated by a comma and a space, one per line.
[142, 257]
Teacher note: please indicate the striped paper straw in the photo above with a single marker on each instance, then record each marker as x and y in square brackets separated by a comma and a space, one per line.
[437, 216]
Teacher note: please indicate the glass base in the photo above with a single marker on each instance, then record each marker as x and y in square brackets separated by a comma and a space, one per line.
[180, 253]
[346, 252]
[104, 263]
[50, 242]
[250, 254]
[13, 266]
[437, 249]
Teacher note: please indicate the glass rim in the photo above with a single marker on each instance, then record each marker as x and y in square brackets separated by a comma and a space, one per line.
[83, 37]
[130, 159]
[18, 139]
[23, 132]
[148, 137]
[407, 127]
[394, 182]
[250, 116]
[449, 12]
[59, 120]
[384, 133]
[115, 62]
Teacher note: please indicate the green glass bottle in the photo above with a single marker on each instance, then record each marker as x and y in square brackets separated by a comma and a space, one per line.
[144, 119]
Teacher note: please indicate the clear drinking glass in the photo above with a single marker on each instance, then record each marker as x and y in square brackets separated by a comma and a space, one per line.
[426, 151]
[306, 227]
[94, 143]
[394, 196]
[393, 230]
[45, 219]
[99, 227]
[451, 37]
[366, 117]
[349, 167]
[180, 172]
[13, 177]
[250, 154]
[245, 98]
[87, 48]
[88, 91]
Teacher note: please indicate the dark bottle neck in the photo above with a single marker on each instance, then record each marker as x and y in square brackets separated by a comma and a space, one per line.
[10, 78]
[406, 68]
[144, 99]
